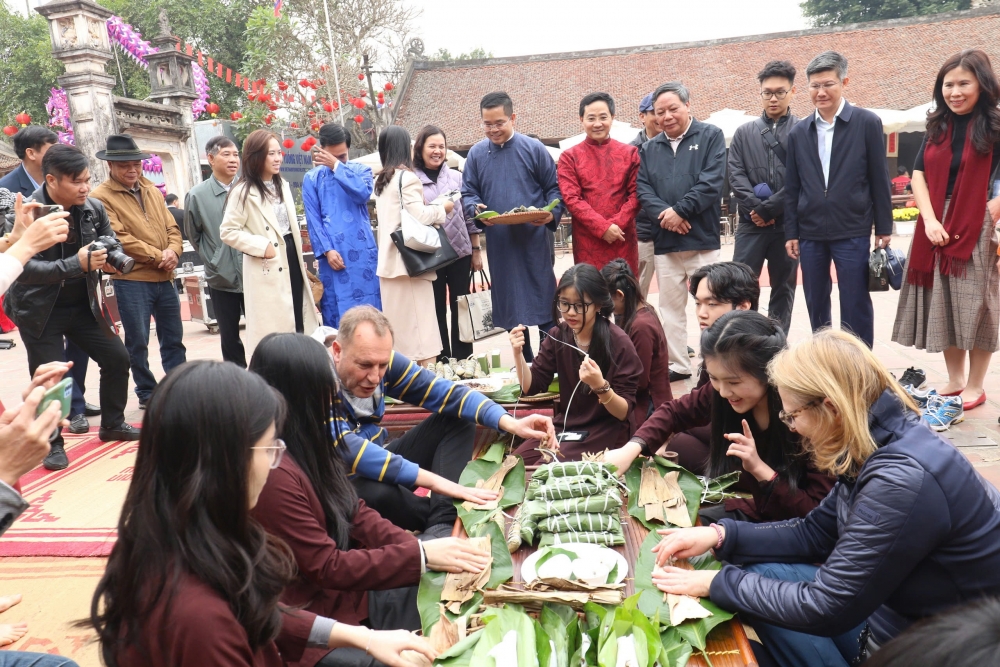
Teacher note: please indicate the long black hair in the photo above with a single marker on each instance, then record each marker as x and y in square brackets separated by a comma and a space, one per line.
[187, 510]
[299, 368]
[592, 287]
[620, 278]
[745, 342]
[985, 124]
[395, 151]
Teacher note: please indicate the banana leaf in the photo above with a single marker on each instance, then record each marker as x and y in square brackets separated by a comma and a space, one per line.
[499, 622]
[690, 484]
[589, 633]
[676, 650]
[695, 631]
[459, 655]
[481, 469]
[503, 567]
[629, 620]
[509, 393]
[543, 646]
[561, 625]
[715, 488]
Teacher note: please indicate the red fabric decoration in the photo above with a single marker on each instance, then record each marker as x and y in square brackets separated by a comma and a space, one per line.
[229, 75]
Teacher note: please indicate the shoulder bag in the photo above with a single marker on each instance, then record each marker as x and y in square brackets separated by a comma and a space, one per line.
[411, 233]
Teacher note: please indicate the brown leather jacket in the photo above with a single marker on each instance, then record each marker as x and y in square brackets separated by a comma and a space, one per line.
[144, 234]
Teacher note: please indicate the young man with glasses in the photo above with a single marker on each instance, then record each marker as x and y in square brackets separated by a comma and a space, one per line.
[757, 175]
[57, 295]
[836, 188]
[504, 171]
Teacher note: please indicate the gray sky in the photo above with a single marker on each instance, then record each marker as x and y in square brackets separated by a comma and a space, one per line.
[521, 27]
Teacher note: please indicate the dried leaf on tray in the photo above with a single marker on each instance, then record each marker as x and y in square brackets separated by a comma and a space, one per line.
[567, 585]
[494, 483]
[533, 600]
[444, 634]
[662, 497]
[684, 607]
[459, 587]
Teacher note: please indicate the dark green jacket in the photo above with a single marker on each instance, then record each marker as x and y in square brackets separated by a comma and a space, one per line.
[203, 209]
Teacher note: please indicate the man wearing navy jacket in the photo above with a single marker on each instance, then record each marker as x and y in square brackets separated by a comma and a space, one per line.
[836, 188]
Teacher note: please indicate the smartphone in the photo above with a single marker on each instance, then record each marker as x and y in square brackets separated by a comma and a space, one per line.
[63, 393]
[573, 436]
[44, 210]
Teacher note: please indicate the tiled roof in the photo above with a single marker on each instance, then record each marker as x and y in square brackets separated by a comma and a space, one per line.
[891, 64]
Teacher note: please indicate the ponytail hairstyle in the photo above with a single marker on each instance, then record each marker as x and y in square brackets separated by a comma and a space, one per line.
[620, 278]
[592, 288]
[745, 342]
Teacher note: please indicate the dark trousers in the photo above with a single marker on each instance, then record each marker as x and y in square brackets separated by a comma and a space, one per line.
[295, 276]
[850, 256]
[440, 444]
[452, 282]
[137, 302]
[543, 331]
[79, 374]
[753, 248]
[228, 308]
[77, 323]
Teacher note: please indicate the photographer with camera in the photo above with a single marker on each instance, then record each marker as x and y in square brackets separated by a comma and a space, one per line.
[150, 236]
[57, 293]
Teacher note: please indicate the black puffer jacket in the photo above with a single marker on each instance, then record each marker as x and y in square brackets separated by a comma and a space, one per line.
[917, 532]
[31, 298]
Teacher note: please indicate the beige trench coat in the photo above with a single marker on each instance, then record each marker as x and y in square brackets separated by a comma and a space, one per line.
[267, 297]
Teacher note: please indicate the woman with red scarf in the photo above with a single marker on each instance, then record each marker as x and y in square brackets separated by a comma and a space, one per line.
[950, 300]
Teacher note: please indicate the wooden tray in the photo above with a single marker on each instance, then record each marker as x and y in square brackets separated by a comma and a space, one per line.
[517, 218]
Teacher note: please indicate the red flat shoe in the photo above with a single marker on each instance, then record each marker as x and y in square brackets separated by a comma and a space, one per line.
[955, 393]
[976, 403]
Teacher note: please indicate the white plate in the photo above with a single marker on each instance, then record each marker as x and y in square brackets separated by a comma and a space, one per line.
[585, 551]
[493, 384]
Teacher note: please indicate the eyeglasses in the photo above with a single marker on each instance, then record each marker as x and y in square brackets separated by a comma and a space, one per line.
[829, 85]
[776, 94]
[275, 452]
[789, 417]
[564, 306]
[499, 125]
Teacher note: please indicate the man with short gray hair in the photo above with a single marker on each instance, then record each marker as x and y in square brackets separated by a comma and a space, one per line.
[835, 190]
[681, 175]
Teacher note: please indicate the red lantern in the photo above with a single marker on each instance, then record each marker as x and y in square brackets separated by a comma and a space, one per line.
[23, 119]
[328, 107]
[304, 83]
[268, 118]
[252, 97]
[212, 108]
[361, 77]
[264, 97]
[389, 86]
[294, 126]
[236, 115]
[359, 119]
[272, 107]
[359, 103]
[310, 113]
[288, 143]
[315, 127]
[336, 105]
[363, 92]
[10, 130]
[282, 86]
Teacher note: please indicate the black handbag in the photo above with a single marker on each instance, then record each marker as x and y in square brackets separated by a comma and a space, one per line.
[418, 262]
[878, 276]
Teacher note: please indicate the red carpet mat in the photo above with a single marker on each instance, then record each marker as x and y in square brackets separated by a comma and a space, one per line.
[74, 512]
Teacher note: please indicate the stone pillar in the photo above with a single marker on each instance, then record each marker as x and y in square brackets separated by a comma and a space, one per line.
[172, 83]
[80, 40]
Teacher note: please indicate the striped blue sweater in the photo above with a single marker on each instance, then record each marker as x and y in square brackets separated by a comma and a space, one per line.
[360, 439]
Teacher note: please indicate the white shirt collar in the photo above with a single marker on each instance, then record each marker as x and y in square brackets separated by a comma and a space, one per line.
[819, 118]
[683, 134]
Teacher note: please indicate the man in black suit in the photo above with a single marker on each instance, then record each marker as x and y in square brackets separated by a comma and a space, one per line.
[31, 144]
[178, 213]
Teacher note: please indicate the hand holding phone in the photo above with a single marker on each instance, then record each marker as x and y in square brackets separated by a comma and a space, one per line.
[61, 393]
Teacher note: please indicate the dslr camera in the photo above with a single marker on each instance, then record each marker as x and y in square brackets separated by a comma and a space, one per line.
[117, 258]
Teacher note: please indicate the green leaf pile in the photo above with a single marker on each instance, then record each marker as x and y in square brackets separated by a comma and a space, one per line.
[481, 469]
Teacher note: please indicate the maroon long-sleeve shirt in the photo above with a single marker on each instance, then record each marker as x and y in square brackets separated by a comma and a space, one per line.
[650, 344]
[771, 501]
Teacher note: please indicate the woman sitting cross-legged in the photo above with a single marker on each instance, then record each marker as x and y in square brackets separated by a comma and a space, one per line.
[909, 531]
[348, 556]
[596, 385]
[748, 431]
[193, 579]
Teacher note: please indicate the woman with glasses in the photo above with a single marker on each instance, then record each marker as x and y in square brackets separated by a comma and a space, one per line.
[348, 557]
[407, 301]
[910, 530]
[750, 432]
[597, 366]
[193, 579]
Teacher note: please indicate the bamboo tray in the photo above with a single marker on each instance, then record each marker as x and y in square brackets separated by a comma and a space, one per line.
[517, 218]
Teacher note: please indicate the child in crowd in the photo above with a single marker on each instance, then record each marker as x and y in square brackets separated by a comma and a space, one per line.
[644, 328]
[748, 430]
[597, 366]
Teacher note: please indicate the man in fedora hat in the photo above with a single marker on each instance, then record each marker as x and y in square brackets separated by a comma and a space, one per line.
[150, 236]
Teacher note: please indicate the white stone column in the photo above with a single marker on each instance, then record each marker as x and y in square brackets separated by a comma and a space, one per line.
[80, 40]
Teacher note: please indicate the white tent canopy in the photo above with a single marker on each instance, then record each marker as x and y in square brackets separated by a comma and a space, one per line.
[620, 131]
[372, 161]
[728, 120]
[909, 120]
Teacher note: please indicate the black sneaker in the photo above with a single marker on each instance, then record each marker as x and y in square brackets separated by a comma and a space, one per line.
[142, 404]
[79, 425]
[122, 432]
[690, 352]
[677, 377]
[57, 459]
[91, 410]
[913, 376]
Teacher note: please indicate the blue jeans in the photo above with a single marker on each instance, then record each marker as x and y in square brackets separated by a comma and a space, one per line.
[137, 301]
[22, 659]
[850, 256]
[797, 649]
